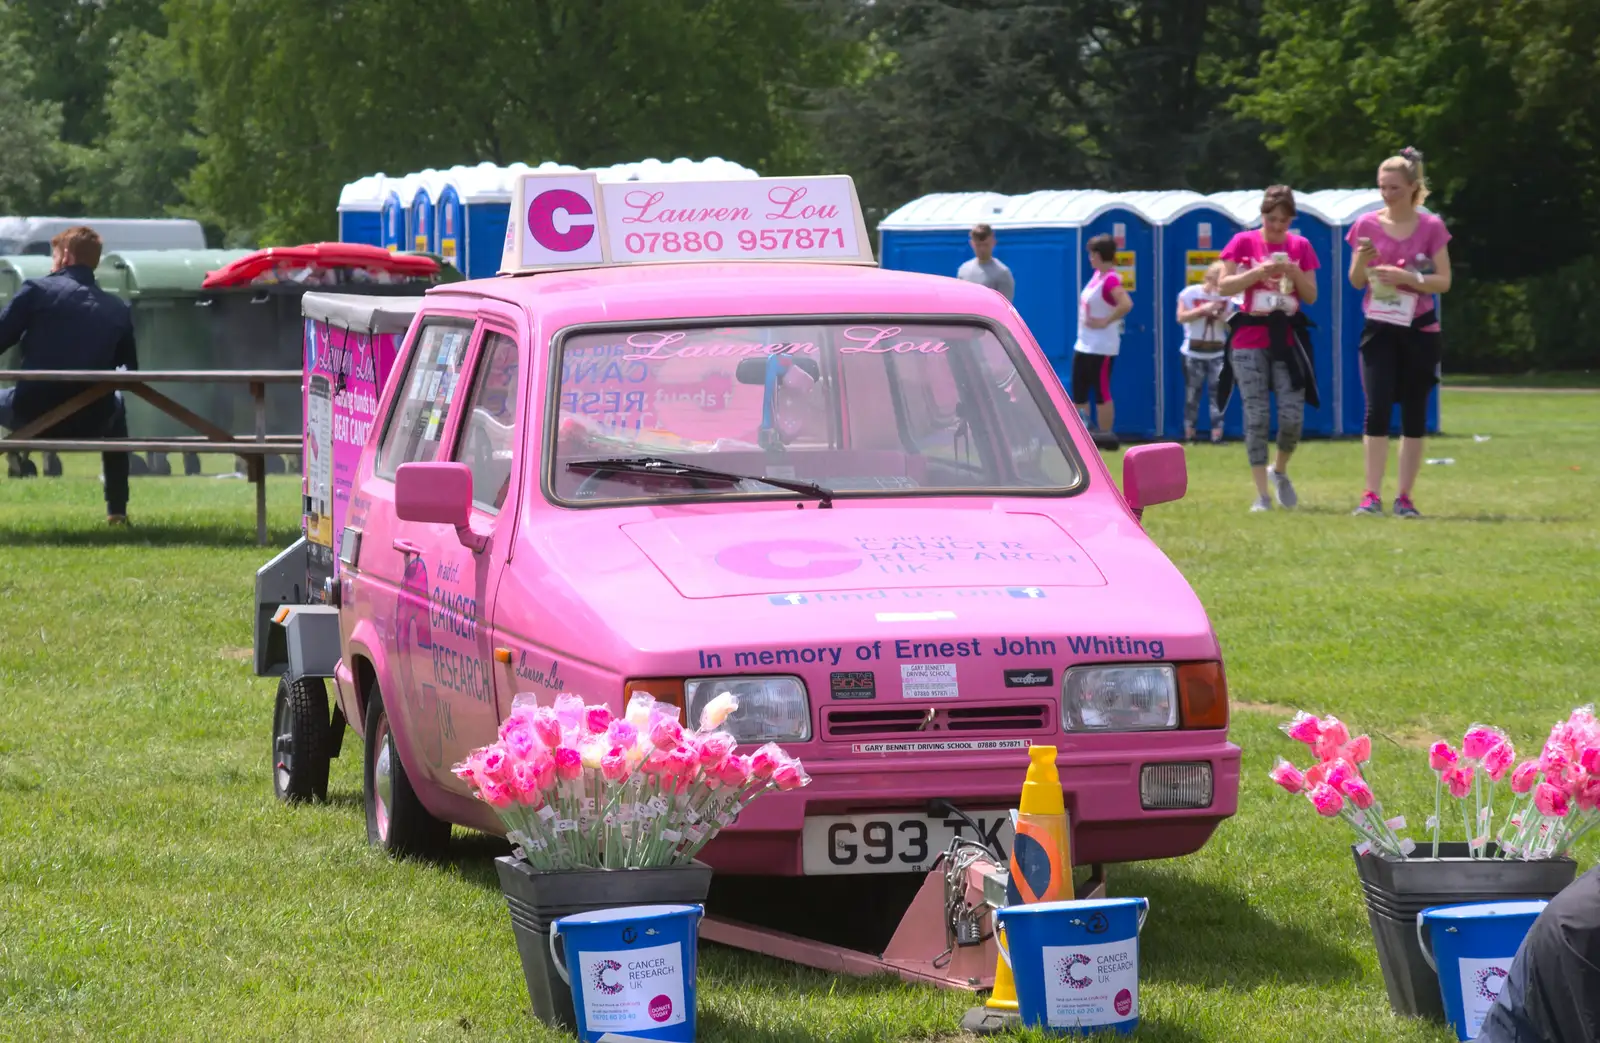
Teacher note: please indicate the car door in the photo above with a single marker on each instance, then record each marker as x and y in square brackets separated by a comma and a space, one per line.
[487, 441]
[414, 568]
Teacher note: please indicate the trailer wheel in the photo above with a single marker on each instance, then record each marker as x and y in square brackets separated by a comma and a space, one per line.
[300, 741]
[396, 820]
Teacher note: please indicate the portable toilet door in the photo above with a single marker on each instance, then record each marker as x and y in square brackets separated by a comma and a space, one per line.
[420, 233]
[1191, 231]
[449, 232]
[485, 193]
[1345, 206]
[394, 221]
[361, 211]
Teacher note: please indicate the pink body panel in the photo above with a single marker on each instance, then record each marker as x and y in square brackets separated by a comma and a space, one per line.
[585, 599]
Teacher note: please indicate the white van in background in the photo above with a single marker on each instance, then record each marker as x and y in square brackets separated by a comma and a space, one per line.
[32, 235]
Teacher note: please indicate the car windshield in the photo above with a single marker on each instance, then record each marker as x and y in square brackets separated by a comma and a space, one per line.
[875, 408]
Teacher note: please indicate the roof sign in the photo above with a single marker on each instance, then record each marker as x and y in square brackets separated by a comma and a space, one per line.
[572, 220]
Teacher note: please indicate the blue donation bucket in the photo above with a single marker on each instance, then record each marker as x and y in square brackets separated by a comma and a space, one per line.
[631, 970]
[1471, 951]
[1076, 964]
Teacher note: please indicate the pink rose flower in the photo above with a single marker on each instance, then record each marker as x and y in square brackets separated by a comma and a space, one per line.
[1458, 780]
[1316, 774]
[1333, 728]
[1478, 741]
[680, 762]
[715, 747]
[790, 776]
[1525, 776]
[495, 764]
[569, 763]
[621, 732]
[525, 784]
[1587, 795]
[665, 733]
[656, 762]
[1359, 751]
[1340, 772]
[1499, 759]
[614, 765]
[1359, 792]
[544, 766]
[547, 726]
[1554, 759]
[1551, 800]
[766, 760]
[1589, 760]
[596, 719]
[734, 772]
[495, 794]
[517, 736]
[1326, 800]
[1303, 728]
[1442, 755]
[1288, 776]
[469, 769]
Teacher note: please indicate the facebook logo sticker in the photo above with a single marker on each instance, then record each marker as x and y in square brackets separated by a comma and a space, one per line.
[787, 599]
[1025, 592]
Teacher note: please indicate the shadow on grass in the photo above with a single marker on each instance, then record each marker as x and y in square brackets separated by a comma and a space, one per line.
[195, 534]
[1496, 519]
[1202, 934]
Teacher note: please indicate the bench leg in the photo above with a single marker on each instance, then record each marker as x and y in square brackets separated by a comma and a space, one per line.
[256, 467]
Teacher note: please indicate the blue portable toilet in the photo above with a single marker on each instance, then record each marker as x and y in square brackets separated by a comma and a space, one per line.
[1191, 231]
[449, 232]
[1342, 207]
[392, 236]
[361, 210]
[929, 234]
[421, 235]
[1066, 221]
[1320, 230]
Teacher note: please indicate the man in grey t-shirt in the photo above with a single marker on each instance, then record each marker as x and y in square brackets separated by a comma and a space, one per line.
[983, 268]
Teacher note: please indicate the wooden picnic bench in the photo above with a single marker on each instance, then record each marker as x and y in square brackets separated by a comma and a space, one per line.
[253, 448]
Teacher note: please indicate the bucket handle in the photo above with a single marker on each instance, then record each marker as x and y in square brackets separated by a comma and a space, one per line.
[560, 964]
[1144, 911]
[999, 941]
[1423, 943]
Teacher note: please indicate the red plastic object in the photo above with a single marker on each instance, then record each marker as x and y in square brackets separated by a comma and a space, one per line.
[322, 255]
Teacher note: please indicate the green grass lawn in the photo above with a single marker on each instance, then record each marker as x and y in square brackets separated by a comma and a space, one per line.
[151, 889]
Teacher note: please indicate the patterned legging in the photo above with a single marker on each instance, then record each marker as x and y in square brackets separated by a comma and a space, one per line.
[1251, 370]
[1197, 374]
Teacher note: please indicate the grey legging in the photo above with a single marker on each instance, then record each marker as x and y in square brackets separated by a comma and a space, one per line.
[1250, 369]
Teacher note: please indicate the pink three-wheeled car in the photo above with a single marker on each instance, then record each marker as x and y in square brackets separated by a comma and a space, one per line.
[693, 441]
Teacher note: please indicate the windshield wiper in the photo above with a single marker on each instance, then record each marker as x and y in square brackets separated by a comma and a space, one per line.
[659, 465]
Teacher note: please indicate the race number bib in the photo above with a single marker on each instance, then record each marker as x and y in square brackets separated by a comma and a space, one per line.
[1284, 302]
[1398, 310]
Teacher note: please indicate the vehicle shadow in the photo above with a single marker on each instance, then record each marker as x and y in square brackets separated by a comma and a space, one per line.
[1202, 934]
[197, 534]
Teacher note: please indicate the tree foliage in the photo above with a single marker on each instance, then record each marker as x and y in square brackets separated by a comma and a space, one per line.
[28, 134]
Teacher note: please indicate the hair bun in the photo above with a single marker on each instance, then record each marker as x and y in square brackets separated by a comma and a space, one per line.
[1413, 154]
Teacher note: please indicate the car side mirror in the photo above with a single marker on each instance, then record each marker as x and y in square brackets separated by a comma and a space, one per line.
[440, 493]
[1153, 474]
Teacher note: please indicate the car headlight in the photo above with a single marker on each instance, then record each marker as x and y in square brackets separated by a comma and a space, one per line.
[770, 708]
[1119, 698]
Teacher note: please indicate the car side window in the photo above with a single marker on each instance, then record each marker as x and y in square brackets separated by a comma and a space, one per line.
[421, 410]
[489, 426]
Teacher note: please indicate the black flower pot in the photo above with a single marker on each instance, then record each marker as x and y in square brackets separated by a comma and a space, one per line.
[1396, 890]
[539, 898]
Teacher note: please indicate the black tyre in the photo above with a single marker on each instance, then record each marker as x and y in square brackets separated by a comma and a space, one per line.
[396, 819]
[301, 741]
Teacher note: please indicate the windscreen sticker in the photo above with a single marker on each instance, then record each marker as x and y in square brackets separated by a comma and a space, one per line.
[928, 681]
[852, 684]
[941, 746]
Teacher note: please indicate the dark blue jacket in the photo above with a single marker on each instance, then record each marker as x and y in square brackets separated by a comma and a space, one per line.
[65, 321]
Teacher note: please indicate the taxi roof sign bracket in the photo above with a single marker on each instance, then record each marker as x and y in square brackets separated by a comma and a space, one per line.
[571, 220]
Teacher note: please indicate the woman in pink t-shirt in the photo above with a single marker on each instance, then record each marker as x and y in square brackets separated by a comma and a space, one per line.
[1401, 259]
[1273, 269]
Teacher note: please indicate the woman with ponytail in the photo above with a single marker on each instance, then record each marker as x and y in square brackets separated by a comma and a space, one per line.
[1401, 258]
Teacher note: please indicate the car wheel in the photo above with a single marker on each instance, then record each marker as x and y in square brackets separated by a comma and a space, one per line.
[396, 819]
[300, 741]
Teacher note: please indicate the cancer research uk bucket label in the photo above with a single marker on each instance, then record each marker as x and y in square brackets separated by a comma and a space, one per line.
[1087, 985]
[634, 988]
[1481, 981]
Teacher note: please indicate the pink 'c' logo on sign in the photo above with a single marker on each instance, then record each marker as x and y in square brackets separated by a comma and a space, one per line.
[661, 1008]
[789, 559]
[541, 220]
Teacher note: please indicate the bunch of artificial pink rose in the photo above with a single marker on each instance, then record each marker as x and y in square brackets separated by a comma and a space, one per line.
[578, 788]
[1555, 797]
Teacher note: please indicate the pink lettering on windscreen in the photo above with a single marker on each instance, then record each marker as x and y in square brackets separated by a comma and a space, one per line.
[868, 340]
[661, 1008]
[789, 559]
[542, 226]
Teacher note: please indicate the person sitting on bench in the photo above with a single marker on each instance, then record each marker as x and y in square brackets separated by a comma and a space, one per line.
[63, 321]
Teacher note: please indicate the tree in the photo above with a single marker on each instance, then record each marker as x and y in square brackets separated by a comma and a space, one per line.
[27, 134]
[298, 97]
[1017, 95]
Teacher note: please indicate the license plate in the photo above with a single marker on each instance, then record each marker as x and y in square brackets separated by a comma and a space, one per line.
[896, 842]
